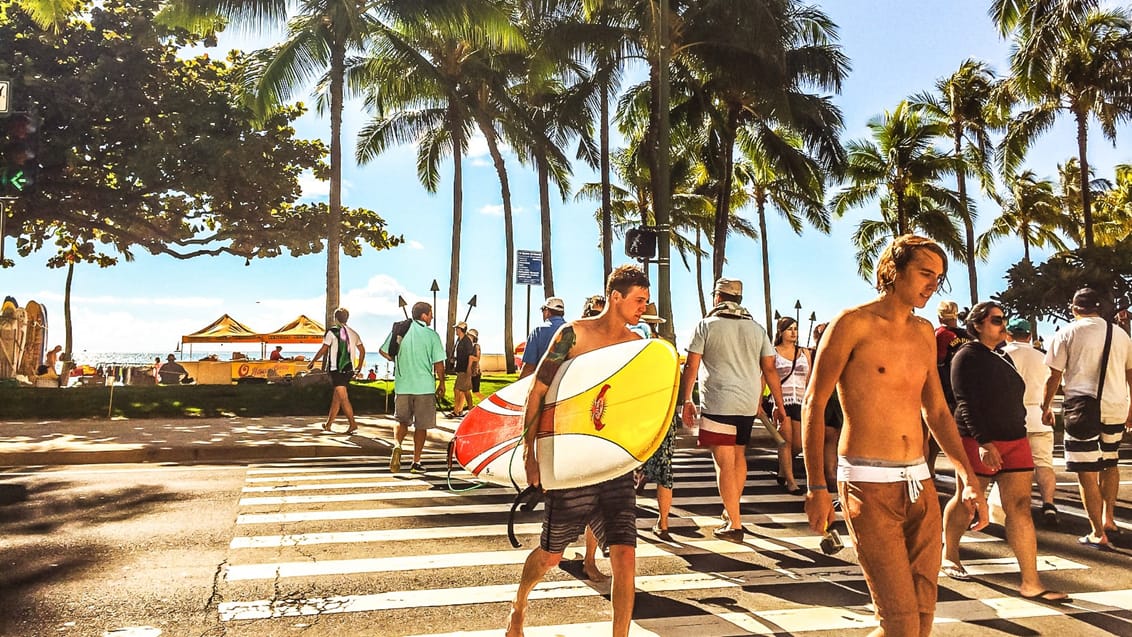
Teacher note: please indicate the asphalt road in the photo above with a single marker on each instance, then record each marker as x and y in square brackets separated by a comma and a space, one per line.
[342, 547]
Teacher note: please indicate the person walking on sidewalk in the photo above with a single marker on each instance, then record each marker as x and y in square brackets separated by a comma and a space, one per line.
[1092, 443]
[344, 353]
[553, 313]
[418, 381]
[1031, 364]
[737, 356]
[462, 391]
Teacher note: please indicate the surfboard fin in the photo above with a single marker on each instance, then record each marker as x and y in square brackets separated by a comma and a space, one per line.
[530, 493]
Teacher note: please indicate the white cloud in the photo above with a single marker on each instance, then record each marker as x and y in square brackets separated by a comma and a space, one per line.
[414, 244]
[314, 189]
[496, 210]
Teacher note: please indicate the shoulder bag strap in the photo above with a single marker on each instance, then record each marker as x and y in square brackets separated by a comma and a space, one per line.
[1104, 359]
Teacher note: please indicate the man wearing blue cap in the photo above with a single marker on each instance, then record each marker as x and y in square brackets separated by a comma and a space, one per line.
[1031, 366]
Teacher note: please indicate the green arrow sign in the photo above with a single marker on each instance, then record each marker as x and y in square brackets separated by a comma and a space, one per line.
[15, 180]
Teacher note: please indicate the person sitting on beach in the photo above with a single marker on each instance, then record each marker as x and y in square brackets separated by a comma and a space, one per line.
[172, 373]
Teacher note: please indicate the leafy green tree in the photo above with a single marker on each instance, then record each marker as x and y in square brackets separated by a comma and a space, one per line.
[1032, 213]
[971, 104]
[1045, 290]
[146, 150]
[1114, 209]
[1077, 63]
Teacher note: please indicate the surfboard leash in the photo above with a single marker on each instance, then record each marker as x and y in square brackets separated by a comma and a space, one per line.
[451, 453]
[531, 492]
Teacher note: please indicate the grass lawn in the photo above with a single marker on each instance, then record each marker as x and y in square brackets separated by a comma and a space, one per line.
[206, 401]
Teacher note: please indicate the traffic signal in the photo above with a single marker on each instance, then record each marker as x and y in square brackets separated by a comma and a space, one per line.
[19, 148]
[640, 243]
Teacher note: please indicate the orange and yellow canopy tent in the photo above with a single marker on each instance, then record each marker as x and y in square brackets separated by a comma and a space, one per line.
[223, 330]
[301, 330]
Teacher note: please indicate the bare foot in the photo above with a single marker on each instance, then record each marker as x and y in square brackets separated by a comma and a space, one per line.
[352, 429]
[515, 621]
[594, 574]
[326, 428]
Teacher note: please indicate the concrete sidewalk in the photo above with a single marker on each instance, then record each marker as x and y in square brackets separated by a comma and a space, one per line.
[63, 442]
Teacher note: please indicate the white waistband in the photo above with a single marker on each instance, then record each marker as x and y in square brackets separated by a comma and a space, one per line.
[911, 475]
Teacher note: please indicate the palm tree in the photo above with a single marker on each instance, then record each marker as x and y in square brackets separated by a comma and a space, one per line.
[1032, 212]
[1114, 209]
[903, 170]
[413, 82]
[1077, 64]
[966, 103]
[1069, 194]
[797, 201]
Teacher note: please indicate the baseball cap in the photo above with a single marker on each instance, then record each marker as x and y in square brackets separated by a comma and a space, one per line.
[947, 310]
[474, 333]
[462, 326]
[724, 285]
[1018, 325]
[1087, 299]
[651, 315]
[554, 303]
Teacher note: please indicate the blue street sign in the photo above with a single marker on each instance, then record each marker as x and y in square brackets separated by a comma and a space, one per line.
[529, 271]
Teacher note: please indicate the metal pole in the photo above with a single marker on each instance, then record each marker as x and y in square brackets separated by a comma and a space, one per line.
[528, 309]
[662, 198]
[435, 288]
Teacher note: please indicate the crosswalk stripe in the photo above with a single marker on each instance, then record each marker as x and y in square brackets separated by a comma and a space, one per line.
[492, 490]
[469, 595]
[815, 618]
[645, 550]
[676, 525]
[354, 475]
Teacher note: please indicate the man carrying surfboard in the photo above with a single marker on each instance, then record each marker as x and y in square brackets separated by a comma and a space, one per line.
[737, 355]
[608, 507]
[882, 359]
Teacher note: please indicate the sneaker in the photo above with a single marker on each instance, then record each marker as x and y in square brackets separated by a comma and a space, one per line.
[1049, 515]
[728, 533]
[416, 467]
[395, 460]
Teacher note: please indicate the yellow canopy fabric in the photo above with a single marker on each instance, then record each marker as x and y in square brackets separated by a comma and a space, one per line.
[224, 330]
[301, 330]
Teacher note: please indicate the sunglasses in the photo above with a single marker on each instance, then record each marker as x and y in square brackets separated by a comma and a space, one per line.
[996, 320]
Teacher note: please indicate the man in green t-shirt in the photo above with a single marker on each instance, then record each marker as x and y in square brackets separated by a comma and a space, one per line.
[418, 366]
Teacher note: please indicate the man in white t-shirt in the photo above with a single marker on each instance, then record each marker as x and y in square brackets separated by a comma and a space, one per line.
[1031, 366]
[736, 354]
[1076, 353]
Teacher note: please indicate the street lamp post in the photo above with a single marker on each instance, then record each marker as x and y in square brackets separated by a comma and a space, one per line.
[435, 288]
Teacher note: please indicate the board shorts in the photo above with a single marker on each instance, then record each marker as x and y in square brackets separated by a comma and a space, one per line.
[1016, 456]
[417, 410]
[340, 379]
[1097, 452]
[793, 412]
[894, 519]
[1041, 448]
[609, 508]
[658, 468]
[463, 382]
[717, 431]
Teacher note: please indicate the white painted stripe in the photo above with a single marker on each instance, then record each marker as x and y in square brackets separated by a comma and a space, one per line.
[369, 514]
[354, 475]
[500, 530]
[811, 619]
[371, 496]
[369, 484]
[330, 466]
[785, 620]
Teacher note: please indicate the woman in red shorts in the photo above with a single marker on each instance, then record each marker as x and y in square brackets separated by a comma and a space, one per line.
[992, 422]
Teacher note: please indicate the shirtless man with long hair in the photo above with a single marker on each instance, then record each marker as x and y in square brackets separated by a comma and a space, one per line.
[882, 359]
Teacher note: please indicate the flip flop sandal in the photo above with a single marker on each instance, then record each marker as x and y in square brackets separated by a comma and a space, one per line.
[1042, 599]
[955, 571]
[1088, 541]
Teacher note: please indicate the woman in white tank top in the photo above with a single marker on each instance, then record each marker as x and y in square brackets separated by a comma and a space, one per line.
[793, 365]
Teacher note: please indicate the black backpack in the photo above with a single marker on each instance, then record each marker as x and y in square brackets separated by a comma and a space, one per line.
[400, 329]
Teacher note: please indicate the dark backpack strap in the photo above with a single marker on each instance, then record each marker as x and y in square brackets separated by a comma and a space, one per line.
[1104, 360]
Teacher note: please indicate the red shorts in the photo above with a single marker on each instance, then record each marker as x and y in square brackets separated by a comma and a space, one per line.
[1016, 456]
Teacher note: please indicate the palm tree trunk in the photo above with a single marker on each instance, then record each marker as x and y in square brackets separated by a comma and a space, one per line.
[1086, 196]
[723, 200]
[766, 257]
[700, 274]
[968, 223]
[606, 197]
[457, 231]
[334, 222]
[901, 216]
[68, 358]
[544, 210]
[509, 240]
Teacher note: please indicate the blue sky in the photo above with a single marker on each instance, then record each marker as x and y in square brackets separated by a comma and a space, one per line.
[897, 48]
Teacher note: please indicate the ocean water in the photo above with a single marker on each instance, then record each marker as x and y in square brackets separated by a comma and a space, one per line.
[94, 359]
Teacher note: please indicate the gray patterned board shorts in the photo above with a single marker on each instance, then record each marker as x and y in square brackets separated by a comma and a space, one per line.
[609, 508]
